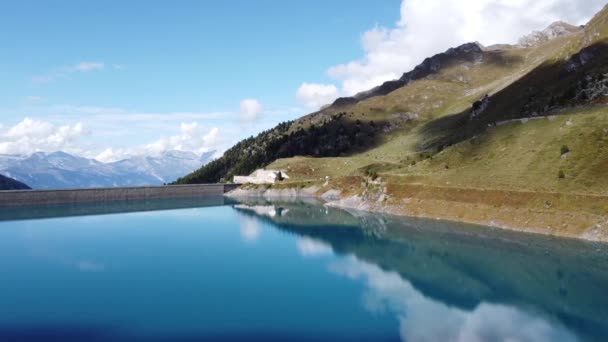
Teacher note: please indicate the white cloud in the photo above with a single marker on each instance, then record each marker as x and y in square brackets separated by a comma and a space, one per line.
[64, 72]
[111, 155]
[87, 66]
[211, 139]
[114, 128]
[31, 135]
[191, 138]
[250, 110]
[314, 95]
[120, 133]
[428, 27]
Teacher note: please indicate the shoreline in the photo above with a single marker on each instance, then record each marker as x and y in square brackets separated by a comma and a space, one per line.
[516, 211]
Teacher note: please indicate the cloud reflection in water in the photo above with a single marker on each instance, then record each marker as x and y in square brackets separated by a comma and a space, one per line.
[423, 319]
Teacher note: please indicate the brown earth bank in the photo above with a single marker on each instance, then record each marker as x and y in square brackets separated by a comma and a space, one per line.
[580, 216]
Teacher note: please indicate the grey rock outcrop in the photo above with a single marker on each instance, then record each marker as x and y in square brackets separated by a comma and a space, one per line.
[554, 30]
[470, 52]
[480, 106]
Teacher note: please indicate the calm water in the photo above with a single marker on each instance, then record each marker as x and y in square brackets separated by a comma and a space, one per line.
[208, 270]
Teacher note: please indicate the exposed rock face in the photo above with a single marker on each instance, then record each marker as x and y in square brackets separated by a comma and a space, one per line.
[470, 52]
[344, 101]
[582, 58]
[480, 106]
[592, 88]
[554, 30]
[274, 193]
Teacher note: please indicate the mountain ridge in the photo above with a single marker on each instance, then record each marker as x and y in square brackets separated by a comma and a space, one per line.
[7, 183]
[429, 66]
[508, 136]
[469, 68]
[51, 170]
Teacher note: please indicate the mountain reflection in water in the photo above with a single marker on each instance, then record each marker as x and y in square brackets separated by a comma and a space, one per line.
[450, 281]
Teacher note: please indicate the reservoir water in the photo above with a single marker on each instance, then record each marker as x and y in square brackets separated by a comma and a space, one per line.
[190, 270]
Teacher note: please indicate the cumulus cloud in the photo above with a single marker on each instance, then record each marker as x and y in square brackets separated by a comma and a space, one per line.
[250, 110]
[30, 135]
[314, 95]
[110, 155]
[428, 27]
[111, 126]
[33, 135]
[191, 138]
[64, 72]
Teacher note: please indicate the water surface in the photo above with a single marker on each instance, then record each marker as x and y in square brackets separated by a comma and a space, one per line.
[192, 270]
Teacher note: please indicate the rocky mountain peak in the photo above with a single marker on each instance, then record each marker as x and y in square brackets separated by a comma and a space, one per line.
[469, 52]
[466, 52]
[557, 29]
[468, 48]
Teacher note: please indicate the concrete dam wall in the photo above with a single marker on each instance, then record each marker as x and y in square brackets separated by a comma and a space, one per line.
[41, 197]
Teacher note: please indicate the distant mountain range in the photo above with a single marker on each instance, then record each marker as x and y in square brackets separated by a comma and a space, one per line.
[57, 170]
[11, 184]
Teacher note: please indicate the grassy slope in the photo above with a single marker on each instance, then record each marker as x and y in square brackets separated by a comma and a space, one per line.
[430, 147]
[514, 156]
[511, 156]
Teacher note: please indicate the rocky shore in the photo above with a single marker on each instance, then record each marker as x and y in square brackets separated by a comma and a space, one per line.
[539, 213]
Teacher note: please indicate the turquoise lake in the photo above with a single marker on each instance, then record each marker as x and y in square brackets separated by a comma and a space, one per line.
[217, 270]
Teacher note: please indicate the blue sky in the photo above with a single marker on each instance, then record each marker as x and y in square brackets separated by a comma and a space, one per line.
[185, 55]
[167, 57]
[128, 77]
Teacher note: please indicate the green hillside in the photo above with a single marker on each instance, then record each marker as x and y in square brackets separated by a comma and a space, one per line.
[434, 112]
[506, 118]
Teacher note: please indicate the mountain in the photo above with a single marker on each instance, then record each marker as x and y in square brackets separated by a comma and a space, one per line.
[62, 170]
[514, 119]
[167, 167]
[464, 54]
[431, 107]
[11, 184]
[554, 30]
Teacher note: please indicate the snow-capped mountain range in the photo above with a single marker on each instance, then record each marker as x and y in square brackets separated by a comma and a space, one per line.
[60, 170]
